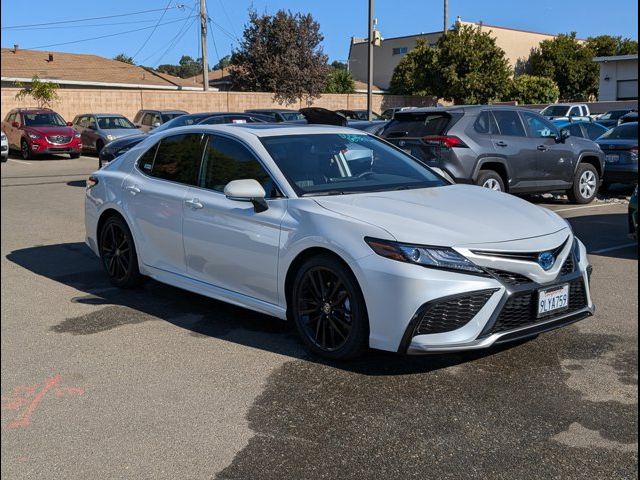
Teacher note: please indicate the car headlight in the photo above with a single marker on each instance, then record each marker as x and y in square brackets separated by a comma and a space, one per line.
[34, 136]
[432, 257]
[110, 137]
[77, 135]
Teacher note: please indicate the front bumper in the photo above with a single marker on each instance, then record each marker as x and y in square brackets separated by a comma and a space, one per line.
[398, 294]
[43, 146]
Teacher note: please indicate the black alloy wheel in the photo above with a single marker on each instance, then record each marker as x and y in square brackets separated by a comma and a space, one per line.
[118, 253]
[24, 150]
[329, 310]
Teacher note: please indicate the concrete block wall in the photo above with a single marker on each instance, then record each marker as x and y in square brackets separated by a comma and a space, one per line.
[73, 102]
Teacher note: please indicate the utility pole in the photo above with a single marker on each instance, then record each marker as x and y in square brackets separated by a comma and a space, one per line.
[370, 66]
[446, 17]
[203, 43]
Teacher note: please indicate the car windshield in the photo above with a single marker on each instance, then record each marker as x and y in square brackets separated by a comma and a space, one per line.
[43, 119]
[339, 164]
[169, 116]
[292, 116]
[614, 114]
[107, 123]
[626, 131]
[555, 111]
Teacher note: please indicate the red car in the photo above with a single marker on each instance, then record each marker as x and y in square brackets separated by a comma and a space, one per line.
[38, 131]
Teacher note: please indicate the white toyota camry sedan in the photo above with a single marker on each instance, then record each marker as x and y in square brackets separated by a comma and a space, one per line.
[355, 241]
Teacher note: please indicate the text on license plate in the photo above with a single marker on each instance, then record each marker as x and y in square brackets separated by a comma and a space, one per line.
[612, 158]
[553, 300]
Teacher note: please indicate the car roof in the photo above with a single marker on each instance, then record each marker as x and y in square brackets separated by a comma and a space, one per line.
[101, 114]
[466, 108]
[277, 110]
[262, 130]
[162, 111]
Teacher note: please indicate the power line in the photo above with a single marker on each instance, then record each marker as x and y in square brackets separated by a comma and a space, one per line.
[99, 37]
[155, 27]
[86, 19]
[93, 25]
[178, 36]
[224, 10]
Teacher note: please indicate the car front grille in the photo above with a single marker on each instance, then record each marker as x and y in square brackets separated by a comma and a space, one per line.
[59, 139]
[568, 267]
[510, 278]
[452, 313]
[520, 309]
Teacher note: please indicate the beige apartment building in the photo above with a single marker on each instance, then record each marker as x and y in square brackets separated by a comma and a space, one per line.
[517, 45]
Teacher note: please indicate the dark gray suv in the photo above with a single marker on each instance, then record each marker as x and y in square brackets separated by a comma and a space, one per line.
[503, 148]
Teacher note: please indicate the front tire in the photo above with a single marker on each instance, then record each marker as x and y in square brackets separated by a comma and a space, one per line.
[118, 254]
[74, 155]
[491, 180]
[585, 184]
[328, 309]
[25, 151]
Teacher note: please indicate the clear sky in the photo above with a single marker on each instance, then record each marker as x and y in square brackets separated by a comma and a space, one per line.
[178, 34]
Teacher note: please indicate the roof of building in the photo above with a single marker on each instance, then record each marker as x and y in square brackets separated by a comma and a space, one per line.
[616, 58]
[83, 70]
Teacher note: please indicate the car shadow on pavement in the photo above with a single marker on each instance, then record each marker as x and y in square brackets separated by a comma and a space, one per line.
[74, 265]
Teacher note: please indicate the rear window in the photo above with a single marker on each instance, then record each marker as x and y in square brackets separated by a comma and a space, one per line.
[626, 131]
[417, 124]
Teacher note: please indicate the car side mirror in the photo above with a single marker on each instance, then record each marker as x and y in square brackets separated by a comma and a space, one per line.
[563, 136]
[156, 124]
[247, 191]
[15, 125]
[69, 124]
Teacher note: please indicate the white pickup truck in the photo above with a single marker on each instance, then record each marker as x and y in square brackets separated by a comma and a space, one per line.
[567, 111]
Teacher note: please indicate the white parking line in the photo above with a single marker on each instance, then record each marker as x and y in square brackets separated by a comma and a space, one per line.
[19, 161]
[611, 249]
[585, 206]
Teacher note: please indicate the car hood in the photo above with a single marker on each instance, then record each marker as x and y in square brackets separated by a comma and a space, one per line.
[51, 130]
[124, 141]
[455, 215]
[121, 132]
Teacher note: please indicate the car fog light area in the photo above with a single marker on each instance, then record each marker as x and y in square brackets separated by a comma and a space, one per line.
[433, 257]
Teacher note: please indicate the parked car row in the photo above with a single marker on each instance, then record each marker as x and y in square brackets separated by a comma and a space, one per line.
[499, 147]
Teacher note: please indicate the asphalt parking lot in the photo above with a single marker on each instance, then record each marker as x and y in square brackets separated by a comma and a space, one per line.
[160, 383]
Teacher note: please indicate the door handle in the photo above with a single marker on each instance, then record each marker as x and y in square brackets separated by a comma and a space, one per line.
[132, 189]
[502, 144]
[194, 203]
[542, 148]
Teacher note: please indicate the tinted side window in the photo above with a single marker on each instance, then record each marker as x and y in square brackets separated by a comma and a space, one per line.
[509, 123]
[227, 160]
[138, 117]
[145, 163]
[178, 158]
[539, 127]
[575, 111]
[486, 124]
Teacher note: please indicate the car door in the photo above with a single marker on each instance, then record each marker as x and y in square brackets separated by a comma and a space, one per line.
[228, 243]
[155, 192]
[512, 144]
[10, 130]
[555, 158]
[89, 133]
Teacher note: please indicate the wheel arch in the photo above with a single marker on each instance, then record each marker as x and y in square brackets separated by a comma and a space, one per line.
[299, 260]
[498, 165]
[591, 159]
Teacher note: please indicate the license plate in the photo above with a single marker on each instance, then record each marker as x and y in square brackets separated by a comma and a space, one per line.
[612, 158]
[553, 300]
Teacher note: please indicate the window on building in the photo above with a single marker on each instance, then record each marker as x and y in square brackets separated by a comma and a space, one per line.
[400, 50]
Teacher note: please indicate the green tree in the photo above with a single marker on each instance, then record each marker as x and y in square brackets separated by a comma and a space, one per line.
[339, 81]
[121, 57]
[608, 46]
[527, 89]
[281, 53]
[187, 67]
[569, 63]
[44, 93]
[224, 62]
[338, 65]
[465, 66]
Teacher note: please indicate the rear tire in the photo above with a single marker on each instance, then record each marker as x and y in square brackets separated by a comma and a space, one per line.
[491, 180]
[585, 184]
[329, 310]
[118, 253]
[74, 155]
